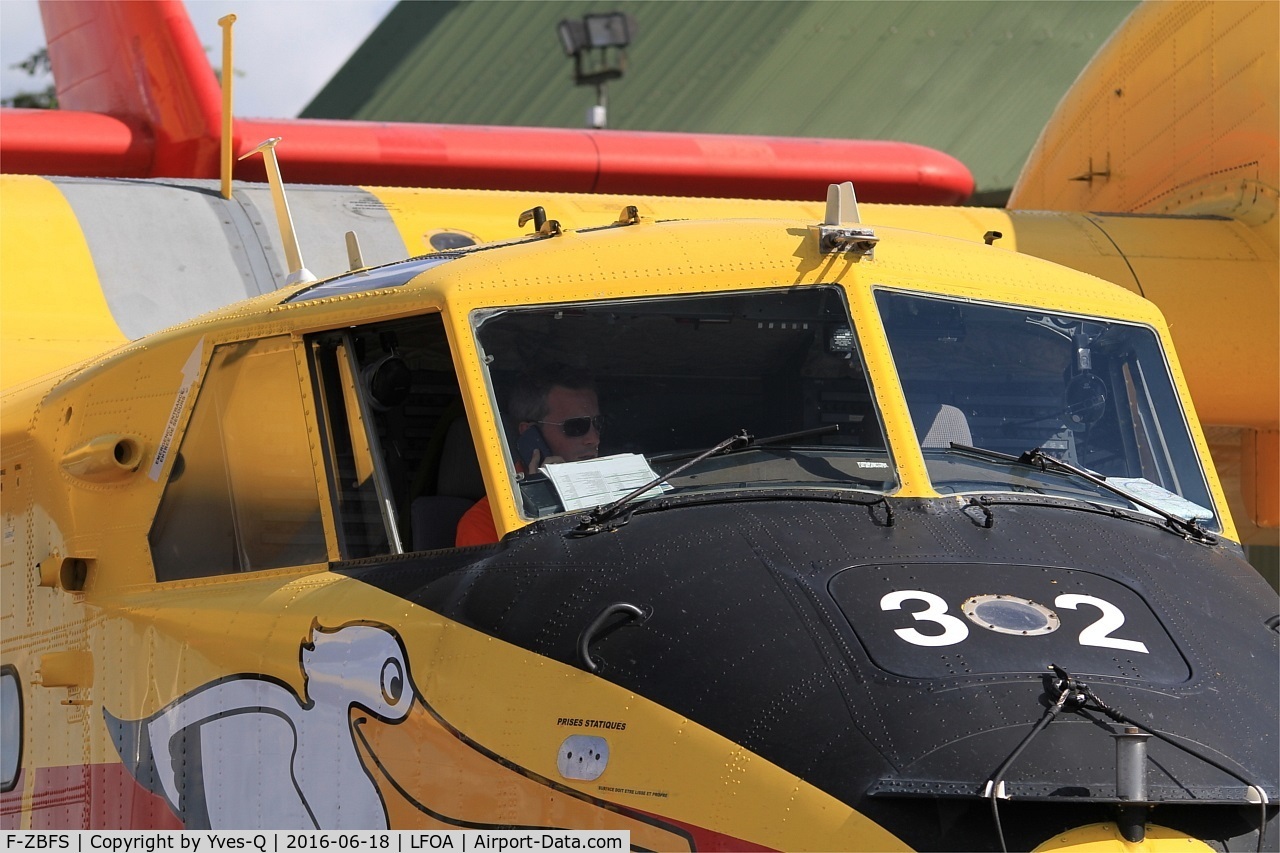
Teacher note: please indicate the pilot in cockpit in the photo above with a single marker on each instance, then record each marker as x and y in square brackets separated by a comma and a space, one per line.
[556, 413]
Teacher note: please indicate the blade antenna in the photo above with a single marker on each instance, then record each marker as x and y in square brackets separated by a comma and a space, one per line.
[842, 231]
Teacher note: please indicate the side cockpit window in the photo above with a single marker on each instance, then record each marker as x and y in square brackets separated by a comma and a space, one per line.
[241, 494]
[402, 467]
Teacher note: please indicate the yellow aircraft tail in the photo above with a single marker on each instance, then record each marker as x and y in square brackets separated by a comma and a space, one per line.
[1167, 119]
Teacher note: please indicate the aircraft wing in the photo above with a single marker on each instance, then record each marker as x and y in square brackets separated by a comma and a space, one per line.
[138, 98]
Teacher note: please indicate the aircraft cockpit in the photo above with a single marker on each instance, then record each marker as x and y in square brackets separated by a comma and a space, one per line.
[777, 376]
[903, 477]
[1093, 393]
[677, 375]
[695, 397]
[674, 375]
[984, 384]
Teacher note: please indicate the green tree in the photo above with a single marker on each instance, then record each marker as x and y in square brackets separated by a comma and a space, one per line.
[45, 99]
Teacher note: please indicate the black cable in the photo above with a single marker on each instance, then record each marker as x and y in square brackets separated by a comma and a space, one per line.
[1119, 717]
[995, 781]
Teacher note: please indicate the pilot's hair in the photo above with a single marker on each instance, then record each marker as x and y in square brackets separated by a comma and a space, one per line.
[528, 401]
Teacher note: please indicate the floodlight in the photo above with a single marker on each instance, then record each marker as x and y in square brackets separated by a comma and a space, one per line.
[611, 30]
[573, 37]
[589, 41]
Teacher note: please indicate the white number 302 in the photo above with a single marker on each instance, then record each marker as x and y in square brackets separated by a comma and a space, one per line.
[954, 630]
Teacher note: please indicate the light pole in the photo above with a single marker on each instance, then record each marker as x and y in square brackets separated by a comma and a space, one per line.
[607, 34]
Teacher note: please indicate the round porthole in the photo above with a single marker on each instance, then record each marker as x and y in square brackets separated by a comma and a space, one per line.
[1007, 614]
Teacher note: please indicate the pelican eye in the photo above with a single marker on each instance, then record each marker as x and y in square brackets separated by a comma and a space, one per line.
[392, 681]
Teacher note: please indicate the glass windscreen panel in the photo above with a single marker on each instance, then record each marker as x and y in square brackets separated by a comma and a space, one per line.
[378, 278]
[624, 390]
[1093, 392]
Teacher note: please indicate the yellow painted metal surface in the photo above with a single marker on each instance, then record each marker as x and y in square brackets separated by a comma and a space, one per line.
[1260, 456]
[440, 757]
[1219, 288]
[493, 214]
[1177, 113]
[1106, 838]
[52, 311]
[1224, 332]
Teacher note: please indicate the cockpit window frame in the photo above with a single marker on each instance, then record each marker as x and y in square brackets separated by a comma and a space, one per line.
[1216, 523]
[477, 318]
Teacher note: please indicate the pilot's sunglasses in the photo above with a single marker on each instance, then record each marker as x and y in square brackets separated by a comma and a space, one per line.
[578, 427]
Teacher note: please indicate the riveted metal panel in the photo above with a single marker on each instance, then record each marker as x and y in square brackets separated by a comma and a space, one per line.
[168, 252]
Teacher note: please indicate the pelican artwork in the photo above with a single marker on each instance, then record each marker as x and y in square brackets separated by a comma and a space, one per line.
[246, 752]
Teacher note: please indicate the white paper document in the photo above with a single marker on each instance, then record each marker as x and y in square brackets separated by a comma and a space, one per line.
[593, 482]
[1158, 496]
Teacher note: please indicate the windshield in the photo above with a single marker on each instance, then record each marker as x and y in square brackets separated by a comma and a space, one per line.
[391, 275]
[1092, 392]
[598, 398]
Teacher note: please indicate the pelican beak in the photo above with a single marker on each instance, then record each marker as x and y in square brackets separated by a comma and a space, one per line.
[413, 763]
[432, 776]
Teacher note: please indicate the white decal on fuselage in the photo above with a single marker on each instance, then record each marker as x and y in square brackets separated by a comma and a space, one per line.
[246, 752]
[190, 371]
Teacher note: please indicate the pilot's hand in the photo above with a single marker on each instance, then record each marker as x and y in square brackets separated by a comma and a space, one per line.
[536, 461]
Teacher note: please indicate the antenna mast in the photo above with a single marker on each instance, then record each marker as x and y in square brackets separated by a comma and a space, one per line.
[292, 253]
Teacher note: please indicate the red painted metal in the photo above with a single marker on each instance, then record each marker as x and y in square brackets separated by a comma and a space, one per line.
[140, 65]
[547, 159]
[139, 60]
[92, 796]
[62, 142]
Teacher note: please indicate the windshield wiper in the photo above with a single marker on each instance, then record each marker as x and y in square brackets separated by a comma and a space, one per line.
[751, 441]
[598, 517]
[1189, 528]
[595, 520]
